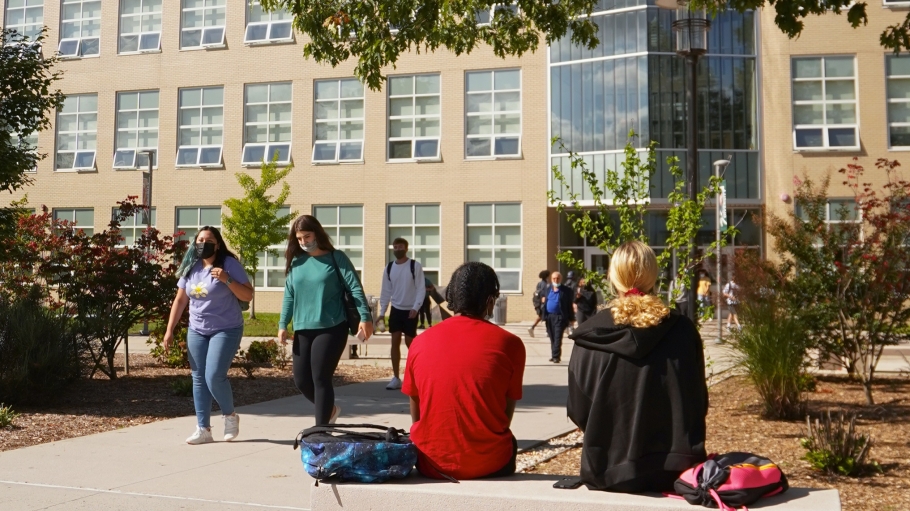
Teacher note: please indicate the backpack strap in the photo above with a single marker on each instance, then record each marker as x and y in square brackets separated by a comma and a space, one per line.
[413, 275]
[388, 272]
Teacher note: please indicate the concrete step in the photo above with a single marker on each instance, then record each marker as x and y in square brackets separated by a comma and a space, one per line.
[527, 492]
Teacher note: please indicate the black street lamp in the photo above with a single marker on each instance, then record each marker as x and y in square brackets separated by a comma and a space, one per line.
[691, 28]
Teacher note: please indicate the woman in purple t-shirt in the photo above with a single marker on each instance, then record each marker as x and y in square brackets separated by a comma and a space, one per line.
[211, 283]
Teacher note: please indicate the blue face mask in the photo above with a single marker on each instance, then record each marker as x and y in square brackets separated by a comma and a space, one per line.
[555, 285]
[310, 246]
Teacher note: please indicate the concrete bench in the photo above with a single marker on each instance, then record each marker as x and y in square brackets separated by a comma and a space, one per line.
[527, 492]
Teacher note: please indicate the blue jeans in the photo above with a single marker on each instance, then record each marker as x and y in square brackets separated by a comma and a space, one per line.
[210, 358]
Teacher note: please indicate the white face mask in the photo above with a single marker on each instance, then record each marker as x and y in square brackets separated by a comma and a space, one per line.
[309, 246]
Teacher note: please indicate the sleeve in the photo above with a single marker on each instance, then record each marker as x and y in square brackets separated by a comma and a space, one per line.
[181, 284]
[287, 305]
[408, 386]
[421, 289]
[385, 295]
[517, 355]
[236, 271]
[349, 274]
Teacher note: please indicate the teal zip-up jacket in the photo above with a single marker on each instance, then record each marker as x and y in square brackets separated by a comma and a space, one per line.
[313, 297]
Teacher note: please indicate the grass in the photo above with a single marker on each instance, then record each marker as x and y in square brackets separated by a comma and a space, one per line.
[265, 325]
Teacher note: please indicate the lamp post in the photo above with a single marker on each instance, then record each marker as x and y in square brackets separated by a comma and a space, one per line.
[691, 28]
[147, 202]
[720, 167]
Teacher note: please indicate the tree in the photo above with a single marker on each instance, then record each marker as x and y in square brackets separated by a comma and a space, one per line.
[377, 32]
[609, 225]
[26, 102]
[849, 280]
[254, 225]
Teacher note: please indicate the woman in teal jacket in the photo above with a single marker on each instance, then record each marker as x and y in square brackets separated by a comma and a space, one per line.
[314, 301]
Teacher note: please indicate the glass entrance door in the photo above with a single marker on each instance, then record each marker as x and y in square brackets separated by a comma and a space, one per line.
[597, 260]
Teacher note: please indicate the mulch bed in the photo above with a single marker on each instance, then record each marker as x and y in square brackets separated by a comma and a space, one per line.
[734, 425]
[146, 395]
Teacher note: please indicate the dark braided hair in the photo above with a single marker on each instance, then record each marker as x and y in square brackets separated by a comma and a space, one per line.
[470, 289]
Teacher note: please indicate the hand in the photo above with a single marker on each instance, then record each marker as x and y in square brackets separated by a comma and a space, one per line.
[168, 340]
[220, 274]
[283, 337]
[367, 328]
[412, 314]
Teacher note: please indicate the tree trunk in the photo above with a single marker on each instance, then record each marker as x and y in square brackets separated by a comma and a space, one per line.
[253, 301]
[867, 390]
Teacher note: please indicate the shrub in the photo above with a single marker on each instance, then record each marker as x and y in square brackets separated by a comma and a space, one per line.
[39, 353]
[7, 416]
[835, 446]
[262, 352]
[182, 387]
[178, 356]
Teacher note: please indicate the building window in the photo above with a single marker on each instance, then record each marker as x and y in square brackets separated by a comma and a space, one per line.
[898, 69]
[25, 17]
[82, 219]
[420, 225]
[140, 26]
[344, 224]
[137, 128]
[824, 103]
[485, 16]
[339, 121]
[493, 106]
[494, 238]
[267, 27]
[201, 127]
[270, 274]
[202, 23]
[414, 117]
[190, 220]
[80, 28]
[29, 143]
[77, 132]
[131, 229]
[267, 118]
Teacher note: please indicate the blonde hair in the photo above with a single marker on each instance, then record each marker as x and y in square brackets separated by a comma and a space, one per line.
[634, 265]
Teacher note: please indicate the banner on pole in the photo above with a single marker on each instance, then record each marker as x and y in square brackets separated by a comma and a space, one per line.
[722, 206]
[146, 197]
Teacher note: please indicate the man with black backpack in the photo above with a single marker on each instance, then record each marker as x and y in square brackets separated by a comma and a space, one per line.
[403, 286]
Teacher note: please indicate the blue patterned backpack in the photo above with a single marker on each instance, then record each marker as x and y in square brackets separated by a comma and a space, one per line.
[345, 452]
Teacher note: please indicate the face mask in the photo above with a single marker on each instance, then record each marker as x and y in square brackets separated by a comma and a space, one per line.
[310, 246]
[399, 254]
[204, 250]
[555, 285]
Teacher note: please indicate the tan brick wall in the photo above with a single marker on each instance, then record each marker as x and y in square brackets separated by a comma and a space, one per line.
[451, 183]
[824, 35]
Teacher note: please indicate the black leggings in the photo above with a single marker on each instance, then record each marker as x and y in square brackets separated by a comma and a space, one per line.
[316, 355]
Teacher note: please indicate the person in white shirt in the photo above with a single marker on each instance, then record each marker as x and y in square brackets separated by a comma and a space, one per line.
[403, 286]
[731, 292]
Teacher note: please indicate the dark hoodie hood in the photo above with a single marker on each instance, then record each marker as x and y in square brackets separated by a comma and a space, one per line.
[600, 333]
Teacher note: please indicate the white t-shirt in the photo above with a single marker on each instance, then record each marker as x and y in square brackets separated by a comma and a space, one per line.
[731, 289]
[404, 291]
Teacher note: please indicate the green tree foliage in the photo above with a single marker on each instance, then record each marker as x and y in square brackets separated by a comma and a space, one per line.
[27, 99]
[254, 225]
[848, 280]
[620, 203]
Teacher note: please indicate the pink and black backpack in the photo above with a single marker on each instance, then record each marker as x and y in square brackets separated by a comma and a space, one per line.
[730, 481]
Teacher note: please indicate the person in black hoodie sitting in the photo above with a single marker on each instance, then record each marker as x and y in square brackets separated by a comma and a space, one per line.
[637, 384]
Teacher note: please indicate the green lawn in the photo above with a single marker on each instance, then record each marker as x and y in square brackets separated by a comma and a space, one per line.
[265, 325]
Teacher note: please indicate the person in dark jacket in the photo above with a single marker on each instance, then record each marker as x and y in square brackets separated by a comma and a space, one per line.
[585, 301]
[637, 384]
[558, 313]
[572, 284]
[537, 300]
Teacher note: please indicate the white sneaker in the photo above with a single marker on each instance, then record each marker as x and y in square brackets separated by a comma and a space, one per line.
[201, 436]
[531, 331]
[231, 427]
[336, 411]
[395, 384]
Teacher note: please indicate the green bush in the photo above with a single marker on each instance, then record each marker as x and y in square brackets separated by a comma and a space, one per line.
[176, 357]
[834, 445]
[262, 352]
[7, 416]
[182, 387]
[39, 353]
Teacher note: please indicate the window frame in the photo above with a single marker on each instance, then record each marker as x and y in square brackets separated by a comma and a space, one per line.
[202, 30]
[141, 34]
[138, 160]
[412, 245]
[188, 236]
[136, 227]
[79, 48]
[55, 215]
[263, 257]
[269, 148]
[494, 246]
[414, 139]
[895, 101]
[334, 230]
[77, 133]
[25, 140]
[492, 13]
[493, 136]
[199, 148]
[29, 31]
[824, 102]
[337, 121]
[269, 26]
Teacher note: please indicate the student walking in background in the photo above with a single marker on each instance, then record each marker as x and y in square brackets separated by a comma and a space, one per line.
[403, 286]
[424, 320]
[537, 300]
[317, 278]
[637, 384]
[558, 313]
[211, 283]
[464, 377]
[585, 301]
[731, 293]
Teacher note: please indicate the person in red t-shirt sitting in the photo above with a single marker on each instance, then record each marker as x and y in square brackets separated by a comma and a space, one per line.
[463, 377]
